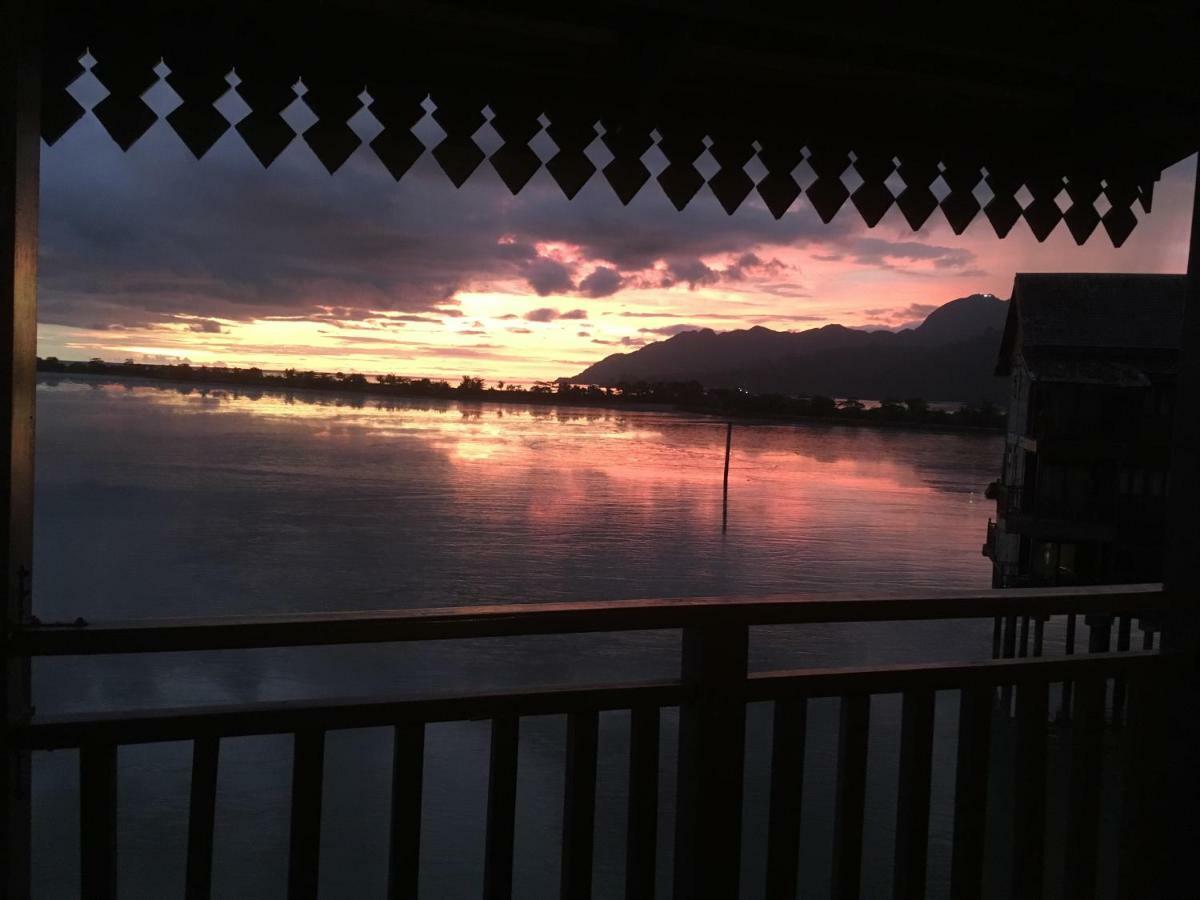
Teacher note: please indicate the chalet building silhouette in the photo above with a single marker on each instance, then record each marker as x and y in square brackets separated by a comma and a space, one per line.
[1093, 362]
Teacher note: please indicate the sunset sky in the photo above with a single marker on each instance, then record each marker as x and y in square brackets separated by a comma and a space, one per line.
[152, 255]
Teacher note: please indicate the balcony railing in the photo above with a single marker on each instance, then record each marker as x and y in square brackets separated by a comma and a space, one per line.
[712, 692]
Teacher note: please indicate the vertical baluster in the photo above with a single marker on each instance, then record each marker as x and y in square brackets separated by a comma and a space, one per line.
[712, 749]
[642, 833]
[1039, 626]
[1067, 687]
[1083, 802]
[1029, 805]
[850, 794]
[98, 820]
[970, 791]
[1010, 637]
[1023, 644]
[997, 636]
[304, 853]
[408, 771]
[1100, 633]
[786, 802]
[1119, 687]
[501, 809]
[579, 805]
[912, 801]
[1145, 811]
[201, 816]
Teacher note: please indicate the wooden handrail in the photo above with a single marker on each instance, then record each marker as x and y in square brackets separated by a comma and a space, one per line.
[507, 620]
[290, 716]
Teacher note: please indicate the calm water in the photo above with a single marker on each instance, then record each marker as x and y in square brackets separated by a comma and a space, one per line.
[157, 501]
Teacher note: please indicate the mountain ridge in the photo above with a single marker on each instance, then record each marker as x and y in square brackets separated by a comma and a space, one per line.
[948, 356]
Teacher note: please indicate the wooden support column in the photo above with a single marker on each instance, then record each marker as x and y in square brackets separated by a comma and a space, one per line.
[19, 148]
[712, 748]
[1181, 632]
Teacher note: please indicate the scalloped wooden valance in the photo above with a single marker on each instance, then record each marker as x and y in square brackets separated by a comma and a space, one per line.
[1054, 120]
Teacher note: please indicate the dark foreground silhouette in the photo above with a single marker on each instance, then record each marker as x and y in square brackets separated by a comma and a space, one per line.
[684, 396]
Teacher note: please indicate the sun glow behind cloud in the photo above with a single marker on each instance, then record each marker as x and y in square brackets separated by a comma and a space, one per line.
[153, 256]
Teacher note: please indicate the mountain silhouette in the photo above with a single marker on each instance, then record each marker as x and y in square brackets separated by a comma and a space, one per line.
[949, 356]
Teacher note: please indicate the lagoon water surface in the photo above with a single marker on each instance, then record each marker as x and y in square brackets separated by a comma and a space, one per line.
[164, 500]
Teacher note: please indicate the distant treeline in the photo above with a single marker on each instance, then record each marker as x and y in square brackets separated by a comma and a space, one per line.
[690, 396]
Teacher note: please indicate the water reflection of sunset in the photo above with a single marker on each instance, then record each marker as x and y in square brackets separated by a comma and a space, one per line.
[574, 485]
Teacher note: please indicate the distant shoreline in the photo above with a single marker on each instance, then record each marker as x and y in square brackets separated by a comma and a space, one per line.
[745, 409]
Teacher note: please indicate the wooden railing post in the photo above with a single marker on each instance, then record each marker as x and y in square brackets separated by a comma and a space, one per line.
[1181, 625]
[712, 746]
[20, 145]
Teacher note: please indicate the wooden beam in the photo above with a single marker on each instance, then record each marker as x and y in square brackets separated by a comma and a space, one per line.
[452, 623]
[281, 717]
[20, 78]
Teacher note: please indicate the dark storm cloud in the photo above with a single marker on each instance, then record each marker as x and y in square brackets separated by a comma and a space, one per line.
[548, 276]
[878, 252]
[692, 272]
[602, 281]
[549, 314]
[140, 238]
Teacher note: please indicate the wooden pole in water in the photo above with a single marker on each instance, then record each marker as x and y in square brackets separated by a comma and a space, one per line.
[725, 486]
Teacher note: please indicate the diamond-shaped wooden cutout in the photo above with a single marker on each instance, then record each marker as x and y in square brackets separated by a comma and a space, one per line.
[872, 199]
[127, 72]
[1081, 220]
[267, 91]
[59, 109]
[266, 134]
[125, 118]
[1043, 213]
[626, 176]
[960, 206]
[680, 182]
[1081, 217]
[199, 84]
[458, 154]
[731, 185]
[515, 163]
[517, 123]
[397, 109]
[781, 154]
[198, 126]
[570, 171]
[778, 192]
[334, 102]
[459, 157]
[1043, 216]
[572, 132]
[1119, 222]
[332, 142]
[626, 172]
[397, 149]
[682, 145]
[827, 194]
[960, 209]
[917, 205]
[1002, 211]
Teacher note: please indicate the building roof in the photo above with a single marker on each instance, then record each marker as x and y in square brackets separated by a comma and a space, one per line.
[1053, 317]
[847, 107]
